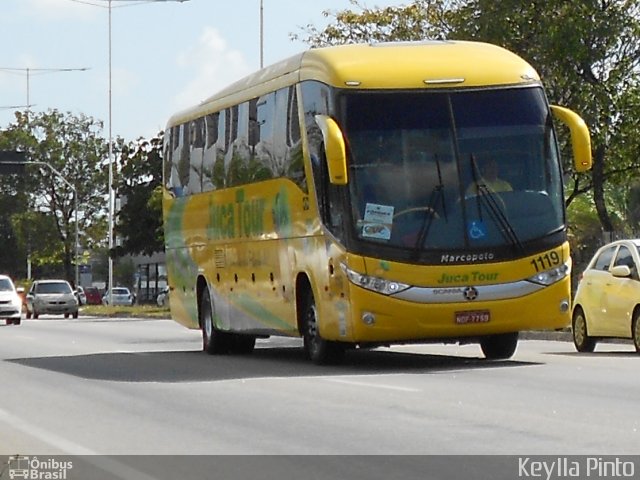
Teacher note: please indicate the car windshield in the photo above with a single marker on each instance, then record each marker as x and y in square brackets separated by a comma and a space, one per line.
[120, 291]
[452, 170]
[5, 285]
[53, 287]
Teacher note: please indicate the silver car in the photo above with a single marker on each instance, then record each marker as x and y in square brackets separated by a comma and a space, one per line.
[121, 296]
[51, 297]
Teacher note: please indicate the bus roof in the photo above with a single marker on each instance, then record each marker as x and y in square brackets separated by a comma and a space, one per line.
[393, 65]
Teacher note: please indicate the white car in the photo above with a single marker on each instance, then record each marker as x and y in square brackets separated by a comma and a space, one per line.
[121, 296]
[163, 297]
[51, 297]
[82, 297]
[10, 301]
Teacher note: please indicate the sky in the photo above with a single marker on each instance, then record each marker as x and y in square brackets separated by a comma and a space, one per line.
[166, 56]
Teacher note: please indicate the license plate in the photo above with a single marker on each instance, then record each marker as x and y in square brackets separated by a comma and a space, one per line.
[473, 316]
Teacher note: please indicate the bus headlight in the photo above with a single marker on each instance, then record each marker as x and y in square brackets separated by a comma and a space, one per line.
[375, 284]
[549, 277]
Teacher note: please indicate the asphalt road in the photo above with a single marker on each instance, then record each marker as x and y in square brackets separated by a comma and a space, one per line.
[143, 387]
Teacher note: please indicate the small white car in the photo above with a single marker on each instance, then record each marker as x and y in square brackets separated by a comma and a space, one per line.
[82, 297]
[163, 297]
[10, 301]
[121, 296]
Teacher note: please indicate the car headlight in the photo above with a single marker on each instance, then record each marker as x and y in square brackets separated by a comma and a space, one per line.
[549, 277]
[375, 284]
[16, 301]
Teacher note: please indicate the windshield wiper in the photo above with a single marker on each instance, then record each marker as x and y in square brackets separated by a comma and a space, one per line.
[437, 196]
[490, 199]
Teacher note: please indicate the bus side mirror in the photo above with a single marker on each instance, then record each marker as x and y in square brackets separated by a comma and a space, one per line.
[335, 149]
[580, 138]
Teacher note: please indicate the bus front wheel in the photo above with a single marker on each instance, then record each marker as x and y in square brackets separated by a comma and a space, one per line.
[214, 342]
[319, 350]
[499, 347]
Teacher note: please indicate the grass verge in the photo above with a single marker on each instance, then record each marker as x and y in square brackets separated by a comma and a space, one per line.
[138, 311]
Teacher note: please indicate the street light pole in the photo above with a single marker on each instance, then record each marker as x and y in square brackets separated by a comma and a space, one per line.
[111, 192]
[111, 195]
[261, 34]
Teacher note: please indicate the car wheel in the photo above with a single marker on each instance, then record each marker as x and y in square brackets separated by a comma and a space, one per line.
[499, 347]
[28, 314]
[75, 314]
[319, 350]
[17, 321]
[635, 330]
[214, 342]
[581, 339]
[8, 321]
[35, 315]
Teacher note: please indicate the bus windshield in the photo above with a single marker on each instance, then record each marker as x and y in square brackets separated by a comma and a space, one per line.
[452, 170]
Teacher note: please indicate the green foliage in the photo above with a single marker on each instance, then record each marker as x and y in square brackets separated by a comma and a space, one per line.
[139, 185]
[44, 222]
[419, 20]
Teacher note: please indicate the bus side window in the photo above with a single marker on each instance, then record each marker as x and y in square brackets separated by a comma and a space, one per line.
[166, 160]
[196, 155]
[184, 158]
[209, 159]
[175, 180]
[219, 176]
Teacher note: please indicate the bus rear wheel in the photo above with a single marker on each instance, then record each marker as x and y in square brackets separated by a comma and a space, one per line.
[319, 350]
[499, 347]
[214, 342]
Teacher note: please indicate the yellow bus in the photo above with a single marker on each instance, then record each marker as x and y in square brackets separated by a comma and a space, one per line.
[347, 196]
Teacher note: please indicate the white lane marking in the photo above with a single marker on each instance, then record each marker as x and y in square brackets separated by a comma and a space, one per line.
[372, 385]
[120, 470]
[47, 437]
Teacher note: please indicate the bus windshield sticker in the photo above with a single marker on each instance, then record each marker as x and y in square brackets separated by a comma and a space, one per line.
[378, 220]
[477, 230]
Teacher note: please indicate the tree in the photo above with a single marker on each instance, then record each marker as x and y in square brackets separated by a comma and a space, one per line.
[588, 53]
[73, 146]
[420, 20]
[139, 186]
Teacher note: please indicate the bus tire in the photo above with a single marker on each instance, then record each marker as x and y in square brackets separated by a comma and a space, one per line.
[214, 342]
[581, 339]
[319, 350]
[499, 347]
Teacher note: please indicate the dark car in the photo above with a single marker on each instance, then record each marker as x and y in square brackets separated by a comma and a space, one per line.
[93, 296]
